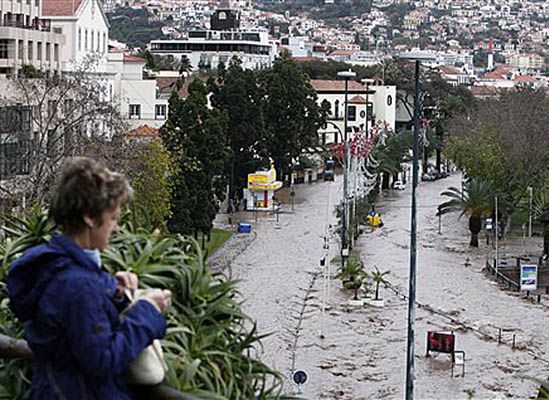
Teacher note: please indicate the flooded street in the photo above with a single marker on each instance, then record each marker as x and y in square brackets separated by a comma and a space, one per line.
[363, 352]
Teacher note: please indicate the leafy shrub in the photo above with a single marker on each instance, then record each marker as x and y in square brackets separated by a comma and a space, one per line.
[210, 345]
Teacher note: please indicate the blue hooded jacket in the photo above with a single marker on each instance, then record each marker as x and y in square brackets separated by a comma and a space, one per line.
[71, 320]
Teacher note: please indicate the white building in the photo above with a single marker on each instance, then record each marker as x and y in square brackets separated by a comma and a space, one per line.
[366, 106]
[26, 38]
[527, 62]
[136, 97]
[86, 31]
[205, 49]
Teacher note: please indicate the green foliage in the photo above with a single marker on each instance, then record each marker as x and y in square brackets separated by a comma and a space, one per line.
[236, 93]
[210, 341]
[133, 27]
[291, 113]
[29, 71]
[152, 180]
[476, 200]
[352, 274]
[500, 139]
[378, 277]
[195, 135]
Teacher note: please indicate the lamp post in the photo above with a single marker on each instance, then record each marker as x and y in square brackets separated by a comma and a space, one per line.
[531, 192]
[344, 234]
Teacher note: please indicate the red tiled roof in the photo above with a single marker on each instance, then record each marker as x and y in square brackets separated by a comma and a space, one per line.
[143, 131]
[336, 86]
[130, 58]
[357, 100]
[52, 8]
[448, 70]
[499, 73]
[524, 78]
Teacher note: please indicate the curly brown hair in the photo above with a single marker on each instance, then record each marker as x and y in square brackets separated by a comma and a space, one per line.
[86, 188]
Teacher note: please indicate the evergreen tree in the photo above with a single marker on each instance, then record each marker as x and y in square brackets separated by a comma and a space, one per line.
[291, 112]
[236, 93]
[196, 137]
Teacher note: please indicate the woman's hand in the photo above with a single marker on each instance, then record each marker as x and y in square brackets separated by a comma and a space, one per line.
[158, 298]
[126, 281]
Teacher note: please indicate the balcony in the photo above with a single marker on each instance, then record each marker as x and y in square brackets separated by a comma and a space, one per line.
[14, 21]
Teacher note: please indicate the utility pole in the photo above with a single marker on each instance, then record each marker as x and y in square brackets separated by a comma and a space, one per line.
[344, 234]
[496, 238]
[413, 254]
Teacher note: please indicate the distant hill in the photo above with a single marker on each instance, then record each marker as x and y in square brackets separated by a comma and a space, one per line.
[133, 27]
[317, 9]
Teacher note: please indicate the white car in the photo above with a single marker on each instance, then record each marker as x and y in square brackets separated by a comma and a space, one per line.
[399, 185]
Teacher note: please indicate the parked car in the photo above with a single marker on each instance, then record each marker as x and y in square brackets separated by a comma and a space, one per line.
[329, 175]
[398, 185]
[428, 177]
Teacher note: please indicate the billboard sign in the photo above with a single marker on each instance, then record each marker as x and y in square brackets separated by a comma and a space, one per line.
[528, 277]
[441, 342]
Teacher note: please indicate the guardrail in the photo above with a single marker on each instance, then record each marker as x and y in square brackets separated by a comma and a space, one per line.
[502, 278]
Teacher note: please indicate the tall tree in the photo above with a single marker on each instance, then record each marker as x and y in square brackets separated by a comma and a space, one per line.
[236, 93]
[292, 114]
[195, 135]
[502, 140]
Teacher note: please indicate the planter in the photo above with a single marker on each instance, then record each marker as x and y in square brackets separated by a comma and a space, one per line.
[357, 303]
[375, 303]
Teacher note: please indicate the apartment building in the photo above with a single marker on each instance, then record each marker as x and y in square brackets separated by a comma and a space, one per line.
[526, 62]
[26, 38]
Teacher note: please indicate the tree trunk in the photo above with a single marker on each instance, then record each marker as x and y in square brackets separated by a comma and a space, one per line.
[475, 225]
[377, 291]
[546, 238]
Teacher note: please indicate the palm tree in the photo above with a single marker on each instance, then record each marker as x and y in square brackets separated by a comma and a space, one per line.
[540, 212]
[474, 200]
[378, 278]
[352, 275]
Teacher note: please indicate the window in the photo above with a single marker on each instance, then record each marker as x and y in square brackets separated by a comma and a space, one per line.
[351, 113]
[56, 52]
[104, 42]
[86, 39]
[336, 109]
[79, 39]
[29, 50]
[92, 40]
[135, 111]
[39, 51]
[160, 111]
[4, 45]
[48, 51]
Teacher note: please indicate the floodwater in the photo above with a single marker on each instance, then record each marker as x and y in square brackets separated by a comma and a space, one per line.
[362, 354]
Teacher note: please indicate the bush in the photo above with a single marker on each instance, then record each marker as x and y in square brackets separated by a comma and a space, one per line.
[210, 341]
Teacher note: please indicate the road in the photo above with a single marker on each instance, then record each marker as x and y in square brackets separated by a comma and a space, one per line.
[362, 354]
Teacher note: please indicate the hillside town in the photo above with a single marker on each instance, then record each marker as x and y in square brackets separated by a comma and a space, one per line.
[272, 199]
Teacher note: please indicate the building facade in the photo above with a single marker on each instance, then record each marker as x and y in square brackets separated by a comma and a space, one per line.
[26, 38]
[206, 48]
[85, 28]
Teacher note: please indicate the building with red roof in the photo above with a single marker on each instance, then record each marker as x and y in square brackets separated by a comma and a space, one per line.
[86, 31]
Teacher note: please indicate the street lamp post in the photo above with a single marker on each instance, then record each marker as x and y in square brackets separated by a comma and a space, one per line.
[531, 191]
[344, 234]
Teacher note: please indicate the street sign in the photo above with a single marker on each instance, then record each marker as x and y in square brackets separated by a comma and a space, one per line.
[300, 377]
[528, 277]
